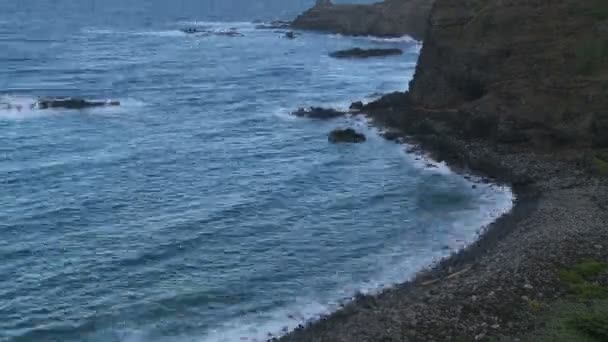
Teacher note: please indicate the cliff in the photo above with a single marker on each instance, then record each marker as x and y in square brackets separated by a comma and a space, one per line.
[388, 18]
[527, 71]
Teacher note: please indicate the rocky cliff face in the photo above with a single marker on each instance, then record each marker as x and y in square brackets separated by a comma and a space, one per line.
[531, 71]
[388, 18]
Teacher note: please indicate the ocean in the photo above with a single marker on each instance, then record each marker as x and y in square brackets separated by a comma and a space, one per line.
[201, 209]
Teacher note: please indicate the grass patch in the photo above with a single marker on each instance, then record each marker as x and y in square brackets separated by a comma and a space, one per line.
[589, 291]
[570, 277]
[582, 317]
[572, 321]
[592, 55]
[590, 268]
[594, 324]
[596, 9]
[600, 165]
[578, 277]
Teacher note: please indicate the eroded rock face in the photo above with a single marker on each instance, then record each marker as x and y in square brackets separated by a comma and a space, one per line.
[365, 53]
[318, 113]
[347, 135]
[72, 103]
[389, 18]
[541, 77]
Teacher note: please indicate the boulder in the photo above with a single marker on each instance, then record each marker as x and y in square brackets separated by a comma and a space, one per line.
[318, 113]
[347, 135]
[356, 106]
[365, 53]
[72, 103]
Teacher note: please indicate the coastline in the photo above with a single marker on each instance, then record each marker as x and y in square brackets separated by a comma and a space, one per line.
[484, 290]
[505, 93]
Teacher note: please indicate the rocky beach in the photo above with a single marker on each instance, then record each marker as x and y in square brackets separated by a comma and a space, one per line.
[514, 91]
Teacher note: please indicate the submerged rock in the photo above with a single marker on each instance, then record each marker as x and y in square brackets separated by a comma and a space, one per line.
[290, 35]
[318, 113]
[348, 135]
[193, 30]
[365, 53]
[72, 103]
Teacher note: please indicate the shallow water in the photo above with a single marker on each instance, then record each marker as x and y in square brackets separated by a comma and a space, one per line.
[201, 210]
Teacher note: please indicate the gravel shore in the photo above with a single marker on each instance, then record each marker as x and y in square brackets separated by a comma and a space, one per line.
[486, 292]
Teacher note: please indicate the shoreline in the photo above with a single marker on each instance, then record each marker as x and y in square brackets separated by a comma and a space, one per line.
[431, 306]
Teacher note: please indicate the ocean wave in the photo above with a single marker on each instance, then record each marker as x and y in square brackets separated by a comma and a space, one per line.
[307, 309]
[402, 39]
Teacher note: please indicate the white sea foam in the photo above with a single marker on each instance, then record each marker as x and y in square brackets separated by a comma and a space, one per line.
[19, 108]
[402, 39]
[393, 267]
[261, 327]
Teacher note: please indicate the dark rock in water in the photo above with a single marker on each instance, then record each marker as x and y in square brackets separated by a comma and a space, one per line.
[229, 33]
[290, 35]
[348, 135]
[356, 106]
[318, 113]
[392, 100]
[193, 30]
[365, 53]
[232, 32]
[72, 103]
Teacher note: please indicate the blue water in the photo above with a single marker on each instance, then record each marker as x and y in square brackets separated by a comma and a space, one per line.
[201, 210]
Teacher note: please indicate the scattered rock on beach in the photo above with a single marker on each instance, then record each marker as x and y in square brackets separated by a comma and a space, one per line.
[318, 113]
[72, 103]
[348, 135]
[365, 53]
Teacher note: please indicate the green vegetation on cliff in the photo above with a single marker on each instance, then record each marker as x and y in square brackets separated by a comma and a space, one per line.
[581, 316]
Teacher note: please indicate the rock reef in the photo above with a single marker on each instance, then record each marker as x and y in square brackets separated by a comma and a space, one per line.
[365, 53]
[347, 135]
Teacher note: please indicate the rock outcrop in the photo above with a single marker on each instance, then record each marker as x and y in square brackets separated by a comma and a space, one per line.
[390, 18]
[533, 71]
[318, 113]
[347, 135]
[365, 53]
[71, 103]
